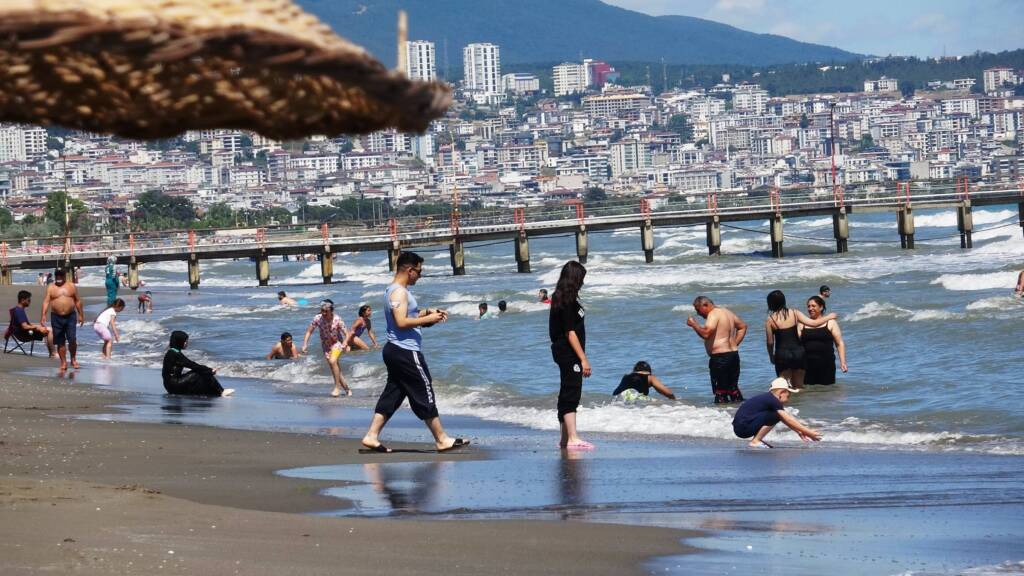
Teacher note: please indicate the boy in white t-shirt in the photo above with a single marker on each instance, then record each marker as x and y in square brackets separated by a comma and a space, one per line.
[106, 327]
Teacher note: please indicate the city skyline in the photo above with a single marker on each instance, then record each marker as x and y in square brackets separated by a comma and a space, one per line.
[924, 28]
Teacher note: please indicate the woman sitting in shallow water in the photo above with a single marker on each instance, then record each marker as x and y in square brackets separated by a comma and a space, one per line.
[198, 381]
[639, 382]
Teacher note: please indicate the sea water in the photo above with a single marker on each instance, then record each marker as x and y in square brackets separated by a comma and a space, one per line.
[932, 338]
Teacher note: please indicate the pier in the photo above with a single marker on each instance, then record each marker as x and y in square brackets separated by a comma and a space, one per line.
[518, 226]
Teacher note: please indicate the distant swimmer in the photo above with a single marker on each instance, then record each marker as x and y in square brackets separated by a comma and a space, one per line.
[641, 380]
[502, 307]
[284, 300]
[824, 292]
[1019, 290]
[284, 349]
[198, 381]
[332, 339]
[819, 345]
[105, 327]
[722, 334]
[483, 313]
[756, 417]
[408, 374]
[542, 296]
[66, 314]
[783, 338]
[568, 333]
[362, 324]
[146, 302]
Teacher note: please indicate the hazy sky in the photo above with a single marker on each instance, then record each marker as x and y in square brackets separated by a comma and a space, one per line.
[880, 27]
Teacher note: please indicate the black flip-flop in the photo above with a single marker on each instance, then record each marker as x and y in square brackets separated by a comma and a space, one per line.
[458, 444]
[378, 449]
[767, 444]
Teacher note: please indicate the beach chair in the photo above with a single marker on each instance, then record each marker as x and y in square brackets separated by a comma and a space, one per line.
[15, 339]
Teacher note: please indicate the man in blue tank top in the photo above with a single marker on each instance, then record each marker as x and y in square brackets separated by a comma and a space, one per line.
[408, 376]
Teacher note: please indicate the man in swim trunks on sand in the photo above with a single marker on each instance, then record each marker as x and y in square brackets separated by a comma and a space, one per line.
[722, 333]
[332, 339]
[758, 416]
[285, 349]
[66, 315]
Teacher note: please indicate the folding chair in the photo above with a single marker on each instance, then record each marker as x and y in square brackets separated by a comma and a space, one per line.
[13, 342]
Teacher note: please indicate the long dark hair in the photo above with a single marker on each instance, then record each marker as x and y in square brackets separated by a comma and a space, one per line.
[362, 310]
[567, 291]
[178, 339]
[777, 303]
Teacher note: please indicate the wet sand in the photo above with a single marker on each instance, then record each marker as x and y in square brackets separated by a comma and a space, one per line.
[101, 497]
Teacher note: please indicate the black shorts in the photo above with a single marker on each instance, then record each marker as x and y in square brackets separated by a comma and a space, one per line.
[65, 328]
[408, 377]
[725, 377]
[570, 389]
[789, 358]
[194, 384]
[749, 429]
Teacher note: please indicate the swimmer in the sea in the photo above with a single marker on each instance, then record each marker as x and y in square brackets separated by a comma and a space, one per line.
[285, 300]
[542, 296]
[641, 380]
[1019, 290]
[285, 349]
[332, 338]
[362, 324]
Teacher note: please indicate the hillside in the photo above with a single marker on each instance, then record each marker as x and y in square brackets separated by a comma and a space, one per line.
[552, 31]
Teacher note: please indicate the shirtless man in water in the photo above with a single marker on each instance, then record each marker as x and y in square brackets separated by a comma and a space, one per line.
[66, 314]
[722, 333]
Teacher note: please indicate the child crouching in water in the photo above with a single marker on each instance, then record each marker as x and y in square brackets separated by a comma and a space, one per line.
[105, 327]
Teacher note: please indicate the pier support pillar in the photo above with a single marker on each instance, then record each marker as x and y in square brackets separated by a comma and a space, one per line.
[647, 240]
[841, 230]
[263, 268]
[133, 273]
[581, 244]
[393, 253]
[458, 257]
[522, 253]
[965, 224]
[714, 236]
[193, 272]
[6, 276]
[777, 237]
[905, 223]
[327, 265]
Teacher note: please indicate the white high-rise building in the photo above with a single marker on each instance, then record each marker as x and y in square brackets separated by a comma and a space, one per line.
[482, 71]
[22, 143]
[422, 62]
[570, 78]
[996, 78]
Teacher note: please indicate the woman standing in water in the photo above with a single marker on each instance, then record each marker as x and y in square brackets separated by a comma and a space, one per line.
[818, 346]
[198, 381]
[780, 329]
[568, 348]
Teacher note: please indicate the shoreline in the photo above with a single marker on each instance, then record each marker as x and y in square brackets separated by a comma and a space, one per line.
[107, 496]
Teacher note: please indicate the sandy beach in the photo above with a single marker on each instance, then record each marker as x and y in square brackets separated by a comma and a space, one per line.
[100, 497]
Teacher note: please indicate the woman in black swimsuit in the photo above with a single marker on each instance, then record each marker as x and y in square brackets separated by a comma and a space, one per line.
[780, 329]
[818, 346]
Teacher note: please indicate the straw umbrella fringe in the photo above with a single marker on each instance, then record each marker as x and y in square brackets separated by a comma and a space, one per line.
[155, 68]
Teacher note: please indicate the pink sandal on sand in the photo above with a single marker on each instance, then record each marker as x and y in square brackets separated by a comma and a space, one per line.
[579, 445]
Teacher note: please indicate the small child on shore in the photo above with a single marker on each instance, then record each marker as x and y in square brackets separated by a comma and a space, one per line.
[105, 327]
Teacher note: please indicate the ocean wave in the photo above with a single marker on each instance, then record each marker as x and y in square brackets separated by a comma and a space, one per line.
[983, 281]
[996, 303]
[948, 219]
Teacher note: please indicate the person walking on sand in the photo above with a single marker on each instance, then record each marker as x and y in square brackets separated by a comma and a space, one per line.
[362, 324]
[722, 333]
[756, 417]
[285, 349]
[408, 375]
[568, 333]
[332, 339]
[105, 327]
[198, 381]
[783, 339]
[66, 315]
[820, 345]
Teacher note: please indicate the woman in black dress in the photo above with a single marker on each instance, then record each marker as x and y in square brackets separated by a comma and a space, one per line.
[818, 344]
[780, 329]
[198, 381]
[568, 334]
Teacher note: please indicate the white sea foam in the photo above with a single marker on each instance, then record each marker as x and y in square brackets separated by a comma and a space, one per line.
[984, 281]
[948, 219]
[996, 303]
[889, 310]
